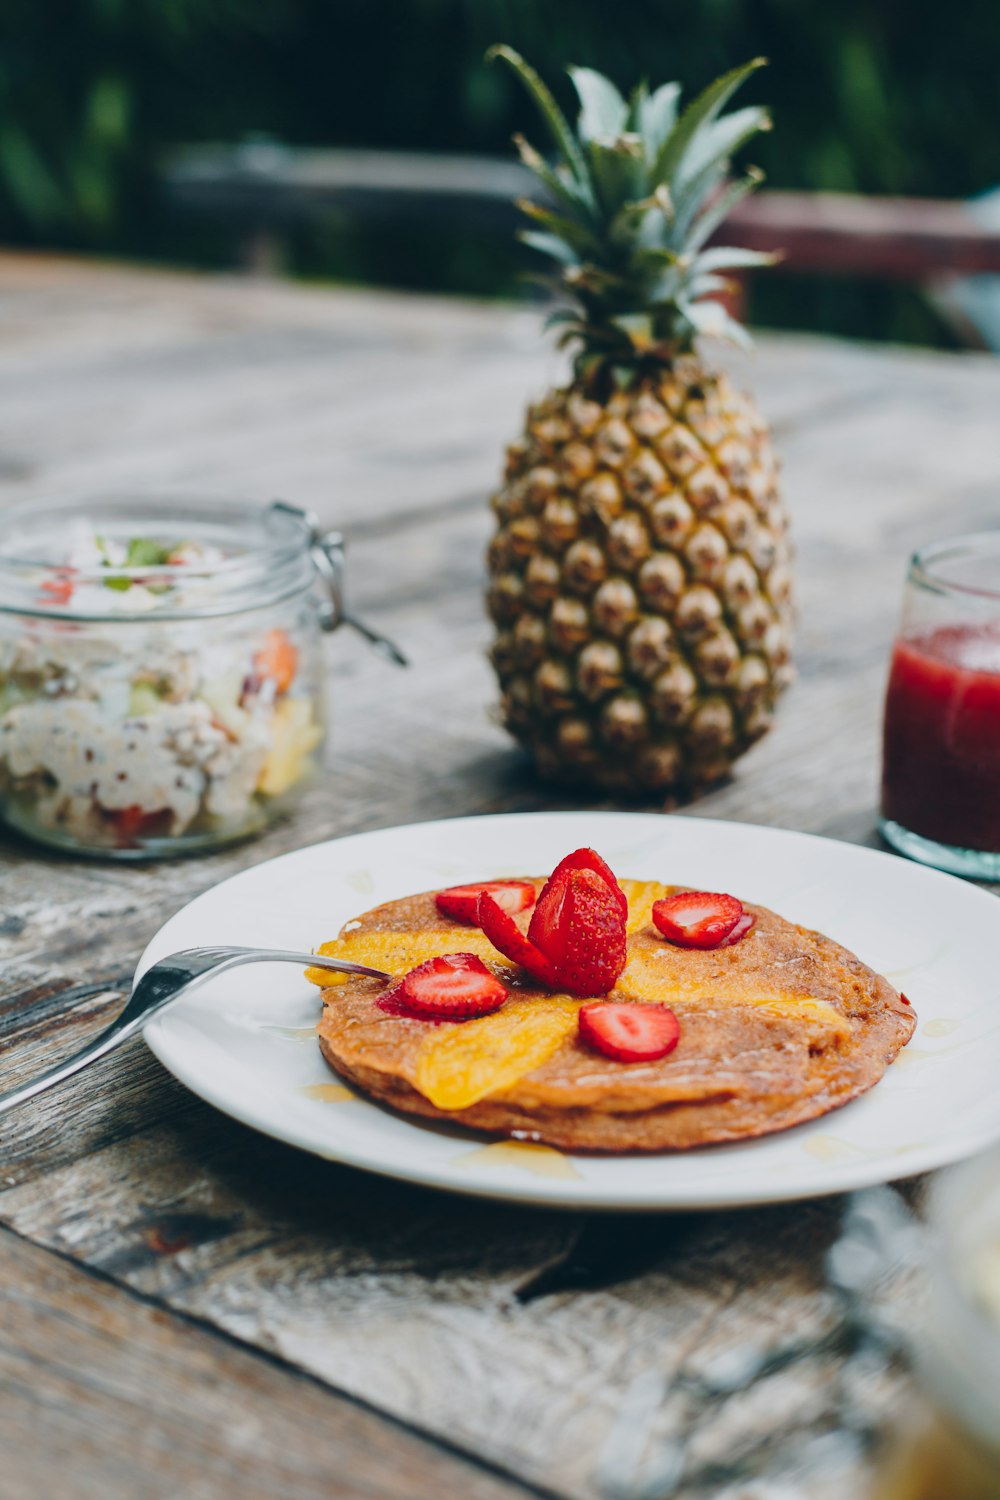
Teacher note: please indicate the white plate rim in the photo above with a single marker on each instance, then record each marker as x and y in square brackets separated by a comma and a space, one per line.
[566, 1193]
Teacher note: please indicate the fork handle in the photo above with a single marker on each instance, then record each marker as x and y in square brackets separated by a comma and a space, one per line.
[164, 982]
[112, 1036]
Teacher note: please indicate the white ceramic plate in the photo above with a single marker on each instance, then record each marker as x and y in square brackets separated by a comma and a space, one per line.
[245, 1042]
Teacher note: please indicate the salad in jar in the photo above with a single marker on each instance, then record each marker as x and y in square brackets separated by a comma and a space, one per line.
[157, 692]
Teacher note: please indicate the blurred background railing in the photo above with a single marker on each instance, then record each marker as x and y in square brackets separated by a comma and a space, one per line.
[265, 194]
[97, 101]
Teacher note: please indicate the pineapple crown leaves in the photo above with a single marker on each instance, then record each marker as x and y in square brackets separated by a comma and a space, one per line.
[631, 199]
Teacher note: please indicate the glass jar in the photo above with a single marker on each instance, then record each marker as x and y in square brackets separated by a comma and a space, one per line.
[941, 760]
[161, 673]
[948, 1446]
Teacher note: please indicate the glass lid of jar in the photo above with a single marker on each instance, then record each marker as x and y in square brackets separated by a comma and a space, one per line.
[139, 557]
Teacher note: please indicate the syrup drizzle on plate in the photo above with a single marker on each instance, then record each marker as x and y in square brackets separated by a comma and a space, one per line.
[540, 1161]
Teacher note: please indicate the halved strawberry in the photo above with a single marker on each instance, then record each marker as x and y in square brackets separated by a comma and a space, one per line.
[461, 902]
[394, 1002]
[545, 919]
[697, 919]
[588, 859]
[502, 931]
[629, 1033]
[453, 987]
[578, 925]
[741, 929]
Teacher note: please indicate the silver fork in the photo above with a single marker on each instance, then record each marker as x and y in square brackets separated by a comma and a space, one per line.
[162, 984]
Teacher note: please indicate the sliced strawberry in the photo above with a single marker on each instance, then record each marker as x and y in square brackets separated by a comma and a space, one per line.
[393, 1001]
[697, 919]
[576, 938]
[543, 929]
[579, 927]
[502, 931]
[461, 902]
[453, 987]
[588, 859]
[741, 929]
[629, 1033]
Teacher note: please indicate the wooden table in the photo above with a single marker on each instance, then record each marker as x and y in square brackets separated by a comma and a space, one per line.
[191, 1309]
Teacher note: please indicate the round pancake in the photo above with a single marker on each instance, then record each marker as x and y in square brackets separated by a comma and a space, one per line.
[783, 1026]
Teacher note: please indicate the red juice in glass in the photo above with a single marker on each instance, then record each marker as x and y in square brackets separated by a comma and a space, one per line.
[941, 748]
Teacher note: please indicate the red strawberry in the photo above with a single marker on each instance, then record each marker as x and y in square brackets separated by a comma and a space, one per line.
[578, 925]
[545, 919]
[502, 931]
[588, 859]
[741, 929]
[629, 1033]
[453, 987]
[461, 902]
[394, 1002]
[576, 939]
[697, 919]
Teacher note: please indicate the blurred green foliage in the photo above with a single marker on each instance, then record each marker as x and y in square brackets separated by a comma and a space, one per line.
[874, 96]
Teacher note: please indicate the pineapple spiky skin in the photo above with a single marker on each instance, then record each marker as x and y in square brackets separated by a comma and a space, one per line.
[640, 582]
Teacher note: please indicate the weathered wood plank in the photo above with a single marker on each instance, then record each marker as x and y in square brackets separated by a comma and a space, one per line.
[389, 414]
[360, 405]
[107, 1398]
[409, 1301]
[852, 234]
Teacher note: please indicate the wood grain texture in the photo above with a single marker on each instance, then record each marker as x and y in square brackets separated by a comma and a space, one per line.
[708, 1351]
[107, 1398]
[409, 1301]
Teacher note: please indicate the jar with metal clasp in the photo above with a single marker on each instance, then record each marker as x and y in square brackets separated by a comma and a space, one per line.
[162, 683]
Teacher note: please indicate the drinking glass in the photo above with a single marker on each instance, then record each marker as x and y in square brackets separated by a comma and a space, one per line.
[941, 752]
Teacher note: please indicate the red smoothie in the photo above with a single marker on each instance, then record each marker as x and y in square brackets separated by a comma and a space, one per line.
[941, 765]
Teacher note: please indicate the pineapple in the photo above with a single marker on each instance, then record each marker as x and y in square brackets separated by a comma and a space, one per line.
[639, 574]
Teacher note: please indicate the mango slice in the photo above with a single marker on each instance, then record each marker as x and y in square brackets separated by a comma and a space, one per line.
[294, 736]
[461, 1064]
[640, 895]
[649, 978]
[820, 1014]
[397, 952]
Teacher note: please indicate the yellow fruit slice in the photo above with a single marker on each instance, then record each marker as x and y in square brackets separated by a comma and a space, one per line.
[397, 952]
[649, 978]
[640, 895]
[294, 736]
[461, 1064]
[820, 1013]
